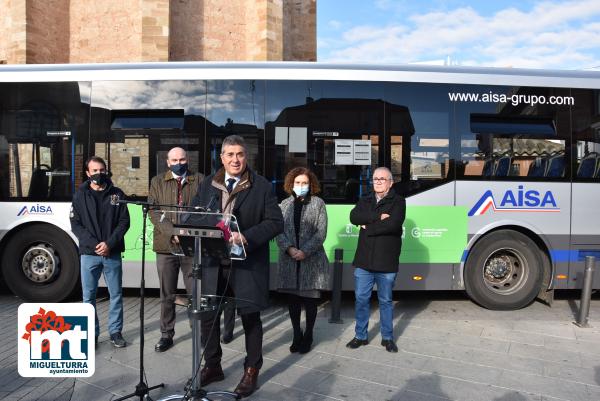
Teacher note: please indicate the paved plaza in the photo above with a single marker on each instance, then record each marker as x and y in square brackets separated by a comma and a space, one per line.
[449, 349]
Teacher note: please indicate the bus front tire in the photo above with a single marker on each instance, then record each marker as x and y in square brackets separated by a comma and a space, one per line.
[504, 270]
[40, 264]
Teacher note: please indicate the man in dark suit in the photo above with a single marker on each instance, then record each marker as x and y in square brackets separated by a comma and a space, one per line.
[380, 216]
[238, 190]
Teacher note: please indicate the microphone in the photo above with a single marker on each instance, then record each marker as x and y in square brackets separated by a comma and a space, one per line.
[115, 199]
[212, 200]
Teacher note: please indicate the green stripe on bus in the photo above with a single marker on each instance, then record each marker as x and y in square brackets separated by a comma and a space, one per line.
[432, 234]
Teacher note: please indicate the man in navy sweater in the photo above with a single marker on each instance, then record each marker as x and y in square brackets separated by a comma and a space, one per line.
[100, 224]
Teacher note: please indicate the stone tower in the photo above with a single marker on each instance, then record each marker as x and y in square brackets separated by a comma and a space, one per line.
[84, 31]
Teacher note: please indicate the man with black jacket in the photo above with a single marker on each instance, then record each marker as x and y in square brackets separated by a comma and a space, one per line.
[100, 224]
[380, 216]
[236, 189]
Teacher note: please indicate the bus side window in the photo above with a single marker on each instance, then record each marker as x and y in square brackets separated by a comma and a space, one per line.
[538, 167]
[587, 166]
[38, 186]
[39, 122]
[556, 166]
[510, 141]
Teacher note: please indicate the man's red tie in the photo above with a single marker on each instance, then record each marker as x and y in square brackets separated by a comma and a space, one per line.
[179, 191]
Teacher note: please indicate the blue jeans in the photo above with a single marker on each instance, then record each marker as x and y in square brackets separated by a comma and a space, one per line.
[363, 285]
[92, 266]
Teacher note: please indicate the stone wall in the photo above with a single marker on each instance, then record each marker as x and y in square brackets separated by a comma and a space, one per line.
[69, 31]
[300, 32]
[13, 25]
[155, 30]
[133, 181]
[186, 29]
[272, 32]
[105, 31]
[47, 31]
[255, 33]
[224, 32]
[242, 30]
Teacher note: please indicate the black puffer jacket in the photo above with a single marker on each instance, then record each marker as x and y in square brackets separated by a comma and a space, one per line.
[379, 243]
[86, 226]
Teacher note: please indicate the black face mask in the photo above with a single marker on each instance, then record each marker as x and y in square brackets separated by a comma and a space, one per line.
[178, 169]
[99, 179]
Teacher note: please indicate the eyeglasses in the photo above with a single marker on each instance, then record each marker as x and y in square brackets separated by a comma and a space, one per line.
[381, 179]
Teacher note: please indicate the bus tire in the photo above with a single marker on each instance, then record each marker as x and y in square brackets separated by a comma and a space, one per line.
[40, 264]
[504, 271]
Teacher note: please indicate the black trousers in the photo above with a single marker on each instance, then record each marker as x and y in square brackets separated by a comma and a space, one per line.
[168, 274]
[228, 321]
[211, 331]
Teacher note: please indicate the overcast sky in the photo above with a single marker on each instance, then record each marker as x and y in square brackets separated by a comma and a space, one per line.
[525, 33]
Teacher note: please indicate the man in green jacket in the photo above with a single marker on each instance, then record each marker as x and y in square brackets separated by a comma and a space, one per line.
[177, 186]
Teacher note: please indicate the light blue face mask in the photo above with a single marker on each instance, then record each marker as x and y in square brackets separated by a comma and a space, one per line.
[301, 190]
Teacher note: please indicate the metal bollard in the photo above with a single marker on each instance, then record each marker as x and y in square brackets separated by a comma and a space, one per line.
[586, 292]
[336, 290]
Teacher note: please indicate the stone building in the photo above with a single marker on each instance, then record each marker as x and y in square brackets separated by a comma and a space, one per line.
[88, 31]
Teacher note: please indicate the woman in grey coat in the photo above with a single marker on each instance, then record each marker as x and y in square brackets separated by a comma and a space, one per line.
[303, 264]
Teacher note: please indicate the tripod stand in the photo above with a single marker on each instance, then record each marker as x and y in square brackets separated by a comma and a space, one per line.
[215, 245]
[141, 389]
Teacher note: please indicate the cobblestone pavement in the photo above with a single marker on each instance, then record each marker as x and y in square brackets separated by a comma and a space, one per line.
[450, 349]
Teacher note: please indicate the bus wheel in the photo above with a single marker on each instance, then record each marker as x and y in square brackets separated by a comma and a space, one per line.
[40, 263]
[504, 271]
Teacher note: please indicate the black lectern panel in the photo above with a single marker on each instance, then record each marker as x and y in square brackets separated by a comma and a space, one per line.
[213, 242]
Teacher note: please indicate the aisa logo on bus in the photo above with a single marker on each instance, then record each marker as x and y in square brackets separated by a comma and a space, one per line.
[520, 200]
[35, 209]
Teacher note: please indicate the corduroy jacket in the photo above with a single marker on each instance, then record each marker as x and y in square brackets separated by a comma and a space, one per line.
[163, 191]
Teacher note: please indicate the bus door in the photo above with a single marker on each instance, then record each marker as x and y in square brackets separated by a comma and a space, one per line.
[344, 161]
[136, 145]
[235, 108]
[341, 140]
[135, 123]
[40, 124]
[585, 196]
[133, 126]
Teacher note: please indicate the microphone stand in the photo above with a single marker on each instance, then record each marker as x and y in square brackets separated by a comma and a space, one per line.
[141, 389]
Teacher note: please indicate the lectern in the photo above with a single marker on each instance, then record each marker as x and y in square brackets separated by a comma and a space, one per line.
[205, 236]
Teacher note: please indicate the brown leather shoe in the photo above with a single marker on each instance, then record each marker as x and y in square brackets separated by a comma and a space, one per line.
[209, 375]
[248, 383]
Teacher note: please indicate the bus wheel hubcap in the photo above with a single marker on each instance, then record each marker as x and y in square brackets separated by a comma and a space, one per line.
[505, 271]
[40, 263]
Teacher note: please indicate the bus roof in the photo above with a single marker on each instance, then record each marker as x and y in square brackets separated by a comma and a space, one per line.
[299, 71]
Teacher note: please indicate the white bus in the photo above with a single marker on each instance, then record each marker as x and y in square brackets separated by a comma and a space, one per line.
[500, 167]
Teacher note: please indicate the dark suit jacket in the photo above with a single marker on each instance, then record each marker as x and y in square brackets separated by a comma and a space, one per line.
[260, 220]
